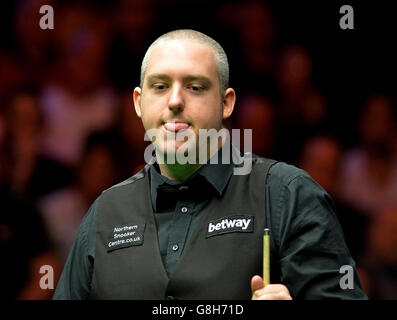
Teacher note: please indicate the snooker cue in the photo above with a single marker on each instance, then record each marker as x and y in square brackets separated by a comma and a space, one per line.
[266, 257]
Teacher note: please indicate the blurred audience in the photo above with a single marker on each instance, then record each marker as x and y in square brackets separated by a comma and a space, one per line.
[24, 242]
[130, 138]
[302, 109]
[73, 16]
[11, 75]
[64, 209]
[321, 158]
[133, 21]
[33, 49]
[369, 171]
[28, 171]
[257, 113]
[381, 263]
[25, 247]
[79, 99]
[256, 32]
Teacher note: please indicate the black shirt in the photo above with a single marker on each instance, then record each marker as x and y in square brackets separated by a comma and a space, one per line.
[178, 206]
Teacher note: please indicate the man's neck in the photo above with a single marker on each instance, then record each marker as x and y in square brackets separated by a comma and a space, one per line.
[181, 172]
[178, 172]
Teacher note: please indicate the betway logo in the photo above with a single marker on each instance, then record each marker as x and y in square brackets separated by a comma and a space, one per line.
[227, 224]
[230, 224]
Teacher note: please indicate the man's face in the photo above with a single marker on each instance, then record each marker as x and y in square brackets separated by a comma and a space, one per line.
[180, 92]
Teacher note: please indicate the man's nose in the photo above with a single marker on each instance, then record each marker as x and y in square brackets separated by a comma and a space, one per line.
[176, 102]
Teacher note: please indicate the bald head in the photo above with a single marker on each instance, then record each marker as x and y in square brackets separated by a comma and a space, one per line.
[192, 35]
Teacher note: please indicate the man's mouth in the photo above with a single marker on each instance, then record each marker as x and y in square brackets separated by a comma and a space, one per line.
[175, 125]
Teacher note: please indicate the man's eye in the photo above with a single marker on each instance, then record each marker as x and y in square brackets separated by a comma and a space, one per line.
[159, 86]
[196, 88]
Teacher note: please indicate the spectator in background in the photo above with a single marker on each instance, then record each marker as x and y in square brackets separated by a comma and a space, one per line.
[73, 16]
[381, 263]
[25, 247]
[11, 75]
[24, 243]
[321, 157]
[29, 173]
[79, 99]
[369, 171]
[3, 134]
[64, 209]
[257, 113]
[254, 24]
[33, 48]
[302, 109]
[130, 141]
[132, 23]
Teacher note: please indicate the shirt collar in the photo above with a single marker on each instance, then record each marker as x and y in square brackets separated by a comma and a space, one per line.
[215, 174]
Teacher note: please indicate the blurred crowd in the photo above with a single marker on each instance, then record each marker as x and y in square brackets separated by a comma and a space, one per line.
[68, 129]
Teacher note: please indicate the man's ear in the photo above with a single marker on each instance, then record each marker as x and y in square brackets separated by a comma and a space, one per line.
[137, 101]
[229, 100]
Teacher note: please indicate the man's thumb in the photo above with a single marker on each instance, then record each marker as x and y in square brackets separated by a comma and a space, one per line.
[256, 283]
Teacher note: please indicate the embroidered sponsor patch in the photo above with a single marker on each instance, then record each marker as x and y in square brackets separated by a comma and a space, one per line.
[236, 223]
[125, 236]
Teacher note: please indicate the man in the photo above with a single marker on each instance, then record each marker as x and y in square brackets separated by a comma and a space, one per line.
[194, 230]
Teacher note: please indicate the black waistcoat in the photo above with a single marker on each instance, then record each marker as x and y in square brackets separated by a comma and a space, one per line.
[217, 263]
